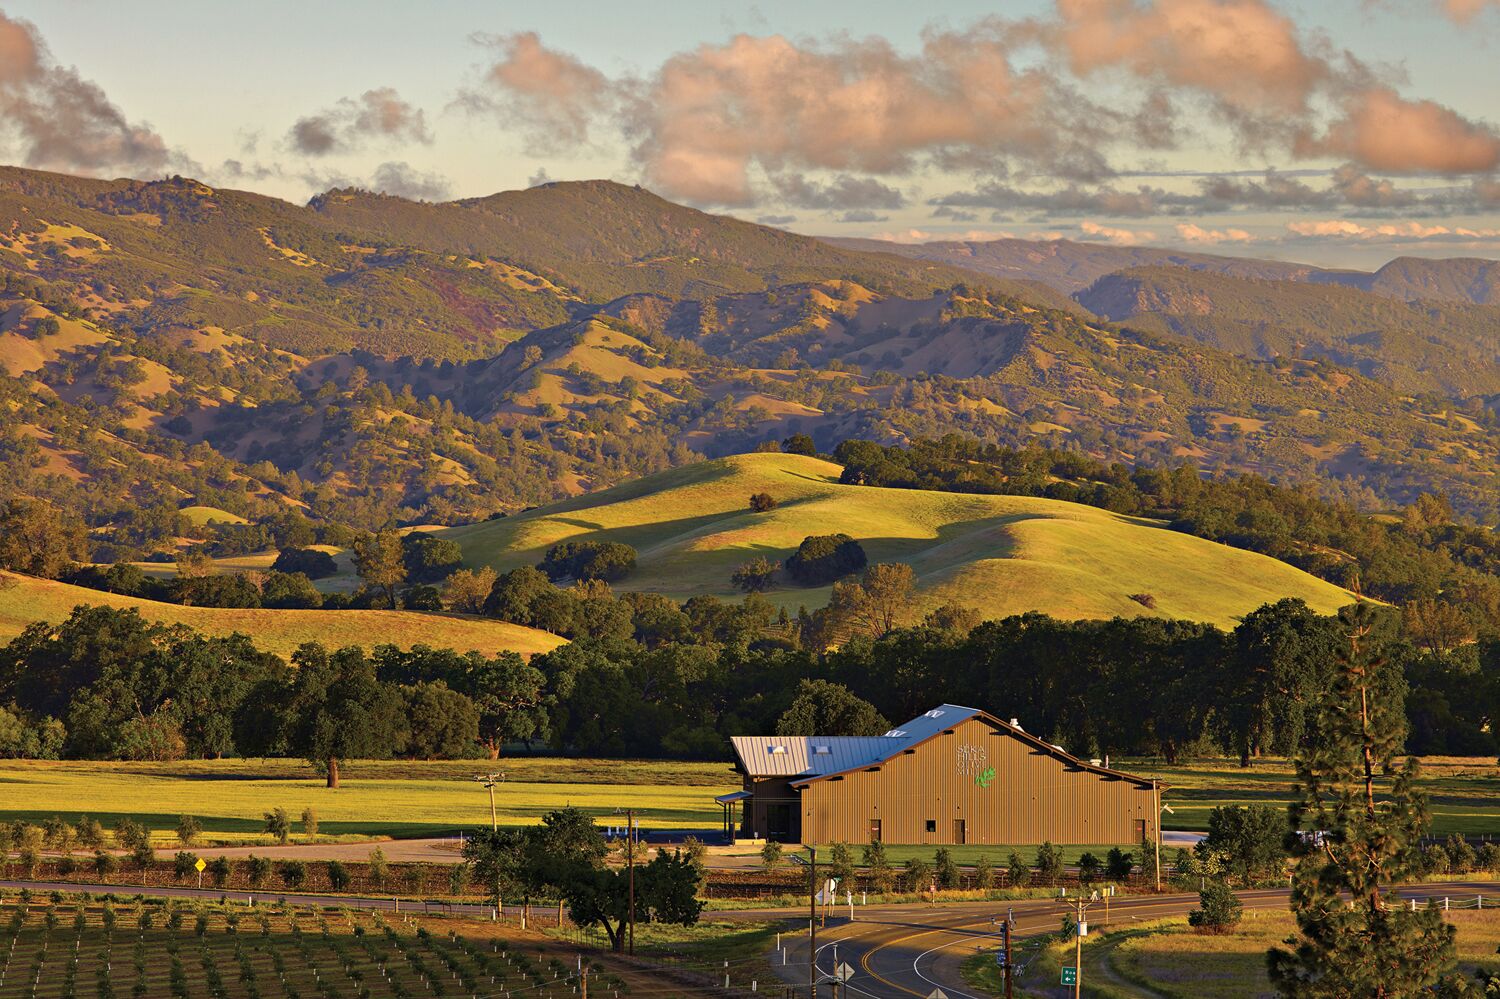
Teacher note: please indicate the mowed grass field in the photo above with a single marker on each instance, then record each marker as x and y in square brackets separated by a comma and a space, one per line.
[378, 798]
[1167, 960]
[1463, 792]
[279, 631]
[1002, 555]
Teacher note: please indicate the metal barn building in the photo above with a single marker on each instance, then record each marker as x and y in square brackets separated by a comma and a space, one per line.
[953, 775]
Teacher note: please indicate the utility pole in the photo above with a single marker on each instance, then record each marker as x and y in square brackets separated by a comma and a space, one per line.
[1156, 798]
[1081, 908]
[630, 863]
[489, 781]
[1005, 929]
[812, 923]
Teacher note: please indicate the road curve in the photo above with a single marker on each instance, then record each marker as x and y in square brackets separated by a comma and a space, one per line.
[909, 950]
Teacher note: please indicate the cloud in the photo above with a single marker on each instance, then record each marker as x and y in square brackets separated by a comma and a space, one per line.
[1191, 233]
[551, 96]
[1071, 201]
[863, 215]
[378, 114]
[55, 119]
[405, 181]
[1464, 11]
[1382, 130]
[539, 178]
[1244, 54]
[1393, 232]
[1094, 232]
[843, 191]
[954, 214]
[776, 219]
[830, 124]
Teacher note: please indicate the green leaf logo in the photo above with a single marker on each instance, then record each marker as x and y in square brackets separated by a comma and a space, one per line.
[985, 778]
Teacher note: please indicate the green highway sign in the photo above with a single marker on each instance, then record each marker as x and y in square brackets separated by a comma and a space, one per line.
[1069, 975]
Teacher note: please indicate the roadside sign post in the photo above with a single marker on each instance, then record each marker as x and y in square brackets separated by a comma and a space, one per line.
[199, 866]
[812, 923]
[1070, 976]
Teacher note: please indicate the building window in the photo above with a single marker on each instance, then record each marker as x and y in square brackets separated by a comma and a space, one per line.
[932, 825]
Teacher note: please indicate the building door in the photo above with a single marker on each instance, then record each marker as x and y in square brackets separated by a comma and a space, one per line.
[960, 832]
[778, 822]
[1140, 830]
[874, 830]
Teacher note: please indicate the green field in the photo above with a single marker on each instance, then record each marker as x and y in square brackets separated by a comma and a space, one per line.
[1167, 960]
[389, 798]
[1000, 554]
[279, 631]
[1463, 792]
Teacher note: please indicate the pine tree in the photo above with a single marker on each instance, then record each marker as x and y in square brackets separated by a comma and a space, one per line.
[1355, 844]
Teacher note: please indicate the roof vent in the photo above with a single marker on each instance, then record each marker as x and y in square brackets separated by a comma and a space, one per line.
[934, 713]
[776, 750]
[1016, 723]
[1058, 748]
[822, 751]
[1096, 762]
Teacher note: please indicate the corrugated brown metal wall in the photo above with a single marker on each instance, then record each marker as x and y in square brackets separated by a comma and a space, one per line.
[1032, 797]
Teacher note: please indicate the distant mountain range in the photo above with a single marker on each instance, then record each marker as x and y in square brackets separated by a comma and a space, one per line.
[1070, 267]
[364, 357]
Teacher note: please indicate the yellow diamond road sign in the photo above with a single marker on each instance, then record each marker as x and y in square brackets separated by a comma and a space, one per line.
[200, 865]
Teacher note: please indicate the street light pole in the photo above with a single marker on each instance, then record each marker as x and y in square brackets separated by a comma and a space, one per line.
[630, 863]
[812, 923]
[489, 781]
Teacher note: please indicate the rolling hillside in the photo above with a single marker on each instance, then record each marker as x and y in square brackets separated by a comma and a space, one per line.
[278, 631]
[999, 554]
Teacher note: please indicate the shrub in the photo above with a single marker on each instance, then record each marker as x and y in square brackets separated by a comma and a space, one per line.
[762, 502]
[219, 870]
[585, 560]
[770, 855]
[422, 598]
[338, 876]
[755, 576]
[183, 865]
[310, 824]
[916, 875]
[105, 864]
[1461, 856]
[1049, 863]
[259, 870]
[878, 866]
[293, 874]
[823, 558]
[377, 869]
[1017, 874]
[1146, 600]
[429, 559]
[984, 874]
[944, 870]
[841, 864]
[458, 879]
[188, 828]
[1088, 868]
[1118, 864]
[278, 825]
[1489, 857]
[1219, 910]
[309, 561]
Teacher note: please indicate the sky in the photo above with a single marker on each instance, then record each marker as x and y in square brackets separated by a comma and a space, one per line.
[1342, 133]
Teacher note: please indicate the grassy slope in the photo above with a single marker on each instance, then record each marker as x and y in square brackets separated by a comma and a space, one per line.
[1001, 554]
[279, 631]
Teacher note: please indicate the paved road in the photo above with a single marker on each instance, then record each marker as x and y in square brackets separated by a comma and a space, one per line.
[900, 951]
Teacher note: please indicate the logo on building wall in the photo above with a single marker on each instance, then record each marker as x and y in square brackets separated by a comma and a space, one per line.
[985, 778]
[972, 759]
